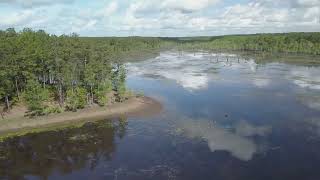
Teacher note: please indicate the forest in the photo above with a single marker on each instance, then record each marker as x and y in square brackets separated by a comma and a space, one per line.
[51, 74]
[306, 43]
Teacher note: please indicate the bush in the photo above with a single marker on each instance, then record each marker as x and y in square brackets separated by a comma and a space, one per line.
[120, 83]
[76, 99]
[35, 97]
[53, 109]
[102, 91]
[121, 92]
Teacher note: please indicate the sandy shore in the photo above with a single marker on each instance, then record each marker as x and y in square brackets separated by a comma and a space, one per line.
[133, 107]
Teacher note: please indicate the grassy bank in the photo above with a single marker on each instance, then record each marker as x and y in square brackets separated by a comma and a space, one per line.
[134, 106]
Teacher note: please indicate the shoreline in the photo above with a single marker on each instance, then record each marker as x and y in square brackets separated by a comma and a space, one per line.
[133, 107]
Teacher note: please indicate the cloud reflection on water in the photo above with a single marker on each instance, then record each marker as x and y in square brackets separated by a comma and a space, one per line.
[194, 71]
[310, 100]
[191, 71]
[238, 143]
[306, 77]
[261, 82]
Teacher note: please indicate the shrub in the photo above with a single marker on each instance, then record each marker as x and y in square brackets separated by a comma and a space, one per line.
[35, 97]
[121, 92]
[102, 91]
[76, 99]
[53, 109]
[119, 81]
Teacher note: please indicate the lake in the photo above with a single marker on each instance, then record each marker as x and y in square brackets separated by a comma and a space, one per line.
[224, 117]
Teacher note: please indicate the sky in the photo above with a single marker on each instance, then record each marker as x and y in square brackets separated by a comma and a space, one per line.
[161, 17]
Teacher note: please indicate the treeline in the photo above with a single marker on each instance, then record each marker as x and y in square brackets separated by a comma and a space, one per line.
[55, 73]
[307, 43]
[129, 48]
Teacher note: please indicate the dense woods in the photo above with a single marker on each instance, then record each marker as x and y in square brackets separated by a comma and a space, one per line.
[307, 43]
[52, 73]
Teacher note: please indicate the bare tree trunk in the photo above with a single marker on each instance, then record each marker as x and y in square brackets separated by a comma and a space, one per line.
[50, 78]
[44, 80]
[17, 88]
[7, 102]
[60, 95]
[88, 98]
[91, 91]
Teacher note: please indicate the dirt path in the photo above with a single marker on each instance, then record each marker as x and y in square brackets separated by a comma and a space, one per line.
[136, 106]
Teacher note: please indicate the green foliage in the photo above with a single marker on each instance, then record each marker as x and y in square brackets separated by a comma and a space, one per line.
[102, 92]
[121, 92]
[36, 97]
[53, 109]
[119, 81]
[76, 98]
[60, 63]
[308, 43]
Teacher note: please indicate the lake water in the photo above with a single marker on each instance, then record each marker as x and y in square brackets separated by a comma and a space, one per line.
[223, 118]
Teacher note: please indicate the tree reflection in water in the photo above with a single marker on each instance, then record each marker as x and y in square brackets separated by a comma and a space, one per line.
[61, 151]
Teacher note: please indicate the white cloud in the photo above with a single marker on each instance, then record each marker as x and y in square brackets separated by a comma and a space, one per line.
[15, 18]
[312, 13]
[168, 17]
[253, 17]
[308, 3]
[34, 3]
[187, 5]
[79, 25]
[154, 6]
[111, 8]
